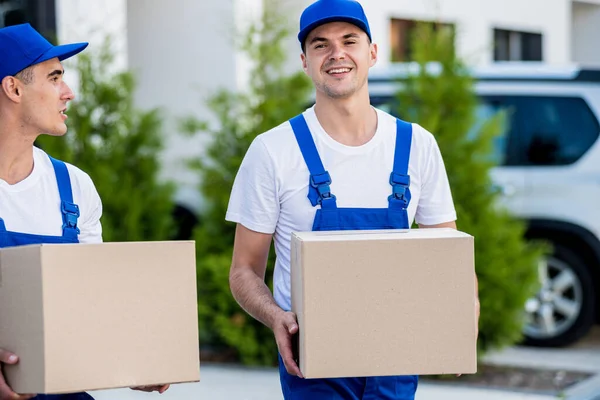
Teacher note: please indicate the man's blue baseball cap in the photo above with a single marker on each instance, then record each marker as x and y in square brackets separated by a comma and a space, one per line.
[324, 11]
[21, 46]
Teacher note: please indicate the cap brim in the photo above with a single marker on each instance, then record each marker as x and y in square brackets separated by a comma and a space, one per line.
[351, 20]
[63, 51]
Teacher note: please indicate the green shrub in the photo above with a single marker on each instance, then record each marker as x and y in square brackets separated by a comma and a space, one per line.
[272, 98]
[445, 104]
[118, 146]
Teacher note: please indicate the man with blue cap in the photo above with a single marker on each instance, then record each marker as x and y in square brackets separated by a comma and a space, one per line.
[342, 164]
[42, 200]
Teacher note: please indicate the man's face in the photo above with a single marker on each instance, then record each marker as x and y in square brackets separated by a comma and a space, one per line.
[45, 99]
[337, 58]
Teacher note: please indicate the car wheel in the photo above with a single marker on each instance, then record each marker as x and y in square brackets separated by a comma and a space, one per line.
[563, 309]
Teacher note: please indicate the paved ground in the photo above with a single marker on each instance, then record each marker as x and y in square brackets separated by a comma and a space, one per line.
[584, 356]
[229, 383]
[226, 383]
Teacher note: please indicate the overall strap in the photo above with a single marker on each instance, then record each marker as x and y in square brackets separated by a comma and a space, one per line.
[69, 210]
[319, 191]
[399, 178]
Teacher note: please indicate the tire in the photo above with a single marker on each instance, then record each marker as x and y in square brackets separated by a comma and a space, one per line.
[563, 311]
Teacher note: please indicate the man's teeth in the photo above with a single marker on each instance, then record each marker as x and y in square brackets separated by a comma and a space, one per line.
[339, 71]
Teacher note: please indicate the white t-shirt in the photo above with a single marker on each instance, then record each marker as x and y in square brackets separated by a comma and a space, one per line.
[33, 205]
[270, 191]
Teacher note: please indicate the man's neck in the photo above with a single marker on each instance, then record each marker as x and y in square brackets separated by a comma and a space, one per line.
[351, 121]
[16, 157]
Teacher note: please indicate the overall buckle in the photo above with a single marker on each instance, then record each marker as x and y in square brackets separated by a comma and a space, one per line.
[70, 213]
[321, 183]
[400, 184]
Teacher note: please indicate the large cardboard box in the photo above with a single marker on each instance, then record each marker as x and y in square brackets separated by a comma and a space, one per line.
[397, 302]
[95, 316]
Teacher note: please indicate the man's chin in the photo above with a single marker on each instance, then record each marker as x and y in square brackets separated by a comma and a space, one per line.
[58, 132]
[339, 94]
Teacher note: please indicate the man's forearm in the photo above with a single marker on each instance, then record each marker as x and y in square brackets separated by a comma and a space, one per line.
[254, 296]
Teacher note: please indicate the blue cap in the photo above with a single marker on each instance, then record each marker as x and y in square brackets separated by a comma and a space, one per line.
[21, 46]
[325, 11]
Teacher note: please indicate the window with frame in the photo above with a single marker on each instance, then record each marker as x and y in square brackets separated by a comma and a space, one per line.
[517, 46]
[402, 31]
[41, 14]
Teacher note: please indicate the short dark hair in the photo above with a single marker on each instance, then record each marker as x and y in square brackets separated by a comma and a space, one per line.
[25, 75]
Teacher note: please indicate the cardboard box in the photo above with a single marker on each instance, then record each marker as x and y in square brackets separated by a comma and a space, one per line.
[96, 316]
[398, 302]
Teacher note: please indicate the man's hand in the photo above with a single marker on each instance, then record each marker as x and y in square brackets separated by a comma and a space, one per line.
[247, 282]
[6, 392]
[285, 327]
[152, 388]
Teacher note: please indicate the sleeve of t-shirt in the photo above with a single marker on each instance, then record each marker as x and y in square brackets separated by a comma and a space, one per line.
[435, 205]
[90, 228]
[254, 200]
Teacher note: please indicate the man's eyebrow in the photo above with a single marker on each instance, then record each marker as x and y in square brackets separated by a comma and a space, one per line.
[346, 36]
[317, 39]
[56, 72]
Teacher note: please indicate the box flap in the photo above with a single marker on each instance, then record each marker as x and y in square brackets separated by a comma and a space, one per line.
[384, 234]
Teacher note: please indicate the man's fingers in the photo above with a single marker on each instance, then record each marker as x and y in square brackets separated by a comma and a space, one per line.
[7, 357]
[143, 388]
[292, 328]
[290, 323]
[152, 388]
[288, 360]
[6, 392]
[284, 332]
[291, 367]
[284, 345]
[163, 389]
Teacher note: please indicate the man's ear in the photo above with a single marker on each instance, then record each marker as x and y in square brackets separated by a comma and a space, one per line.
[12, 88]
[373, 54]
[304, 64]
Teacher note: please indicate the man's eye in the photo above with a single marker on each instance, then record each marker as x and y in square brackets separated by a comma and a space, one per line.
[320, 46]
[351, 42]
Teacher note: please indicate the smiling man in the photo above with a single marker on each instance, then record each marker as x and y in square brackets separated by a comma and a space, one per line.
[341, 164]
[42, 200]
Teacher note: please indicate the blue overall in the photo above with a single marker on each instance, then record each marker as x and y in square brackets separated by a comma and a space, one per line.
[330, 217]
[70, 213]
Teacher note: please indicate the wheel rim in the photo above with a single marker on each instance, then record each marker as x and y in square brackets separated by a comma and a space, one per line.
[557, 305]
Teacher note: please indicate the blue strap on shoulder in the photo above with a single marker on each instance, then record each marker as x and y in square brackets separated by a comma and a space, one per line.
[319, 191]
[399, 178]
[69, 210]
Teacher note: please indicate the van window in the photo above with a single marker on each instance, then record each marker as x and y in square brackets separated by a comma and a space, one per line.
[485, 110]
[539, 130]
[547, 130]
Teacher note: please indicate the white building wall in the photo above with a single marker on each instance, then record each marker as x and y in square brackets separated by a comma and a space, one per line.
[586, 32]
[183, 51]
[93, 21]
[475, 21]
[180, 51]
